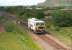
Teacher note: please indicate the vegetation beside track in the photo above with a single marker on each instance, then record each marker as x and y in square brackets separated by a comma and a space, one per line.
[60, 26]
[14, 38]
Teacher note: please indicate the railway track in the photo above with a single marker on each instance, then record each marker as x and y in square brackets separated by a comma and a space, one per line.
[47, 39]
[56, 45]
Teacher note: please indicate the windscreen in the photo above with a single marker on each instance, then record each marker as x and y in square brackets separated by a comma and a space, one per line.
[39, 24]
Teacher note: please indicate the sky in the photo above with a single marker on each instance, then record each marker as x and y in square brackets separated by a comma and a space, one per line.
[19, 2]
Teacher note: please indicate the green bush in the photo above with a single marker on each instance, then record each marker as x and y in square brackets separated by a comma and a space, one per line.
[9, 26]
[62, 18]
[3, 19]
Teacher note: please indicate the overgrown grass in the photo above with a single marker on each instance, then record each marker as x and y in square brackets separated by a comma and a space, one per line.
[17, 40]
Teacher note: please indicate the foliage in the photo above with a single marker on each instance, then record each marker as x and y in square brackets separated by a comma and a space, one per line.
[23, 13]
[2, 19]
[12, 9]
[30, 13]
[54, 8]
[2, 8]
[9, 26]
[62, 18]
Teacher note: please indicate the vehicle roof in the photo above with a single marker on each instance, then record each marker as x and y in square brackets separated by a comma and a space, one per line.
[36, 20]
[39, 21]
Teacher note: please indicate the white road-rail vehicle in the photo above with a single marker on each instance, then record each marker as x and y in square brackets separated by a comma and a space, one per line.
[36, 25]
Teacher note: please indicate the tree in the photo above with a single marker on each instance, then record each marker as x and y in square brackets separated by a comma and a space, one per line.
[62, 18]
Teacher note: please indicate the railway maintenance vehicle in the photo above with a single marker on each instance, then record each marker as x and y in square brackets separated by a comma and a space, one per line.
[36, 25]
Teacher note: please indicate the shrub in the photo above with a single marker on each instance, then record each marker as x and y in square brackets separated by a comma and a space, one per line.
[62, 18]
[2, 19]
[9, 26]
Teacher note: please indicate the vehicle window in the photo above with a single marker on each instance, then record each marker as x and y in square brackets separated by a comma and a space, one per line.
[42, 23]
[41, 27]
[37, 23]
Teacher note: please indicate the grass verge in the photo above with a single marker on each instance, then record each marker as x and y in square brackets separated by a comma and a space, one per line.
[17, 40]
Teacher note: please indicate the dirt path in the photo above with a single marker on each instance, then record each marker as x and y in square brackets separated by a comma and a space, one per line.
[41, 43]
[1, 28]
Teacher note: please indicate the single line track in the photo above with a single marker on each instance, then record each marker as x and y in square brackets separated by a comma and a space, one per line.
[47, 39]
[52, 43]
